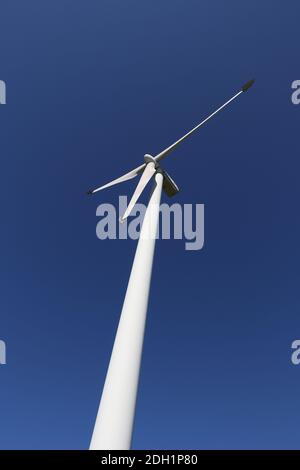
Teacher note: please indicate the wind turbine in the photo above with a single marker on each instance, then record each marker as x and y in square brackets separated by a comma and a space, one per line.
[114, 422]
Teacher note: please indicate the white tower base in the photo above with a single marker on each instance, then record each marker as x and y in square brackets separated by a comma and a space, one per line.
[114, 422]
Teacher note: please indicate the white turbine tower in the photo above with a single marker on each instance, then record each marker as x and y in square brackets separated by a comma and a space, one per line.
[114, 422]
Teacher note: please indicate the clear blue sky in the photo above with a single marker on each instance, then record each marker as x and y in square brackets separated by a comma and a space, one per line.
[91, 87]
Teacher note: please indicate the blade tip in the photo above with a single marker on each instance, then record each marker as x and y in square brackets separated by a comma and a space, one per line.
[248, 85]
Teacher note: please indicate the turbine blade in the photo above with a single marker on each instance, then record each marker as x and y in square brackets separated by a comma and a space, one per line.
[169, 185]
[169, 149]
[146, 176]
[127, 176]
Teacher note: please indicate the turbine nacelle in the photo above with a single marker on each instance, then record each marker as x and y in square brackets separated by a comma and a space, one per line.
[149, 158]
[147, 170]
